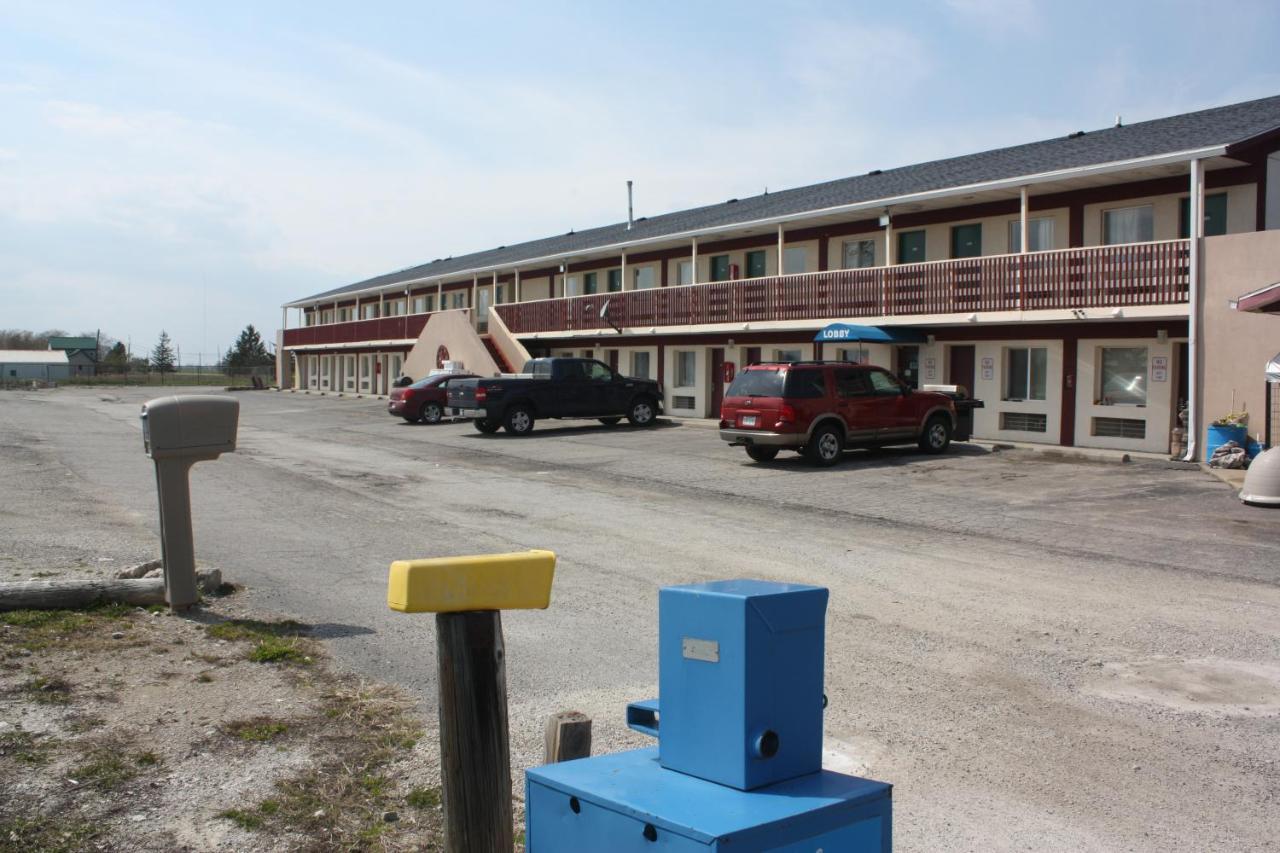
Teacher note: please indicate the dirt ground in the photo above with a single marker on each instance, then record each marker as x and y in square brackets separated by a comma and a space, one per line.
[128, 728]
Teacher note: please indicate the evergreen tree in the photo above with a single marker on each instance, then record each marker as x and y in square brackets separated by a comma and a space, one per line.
[248, 351]
[162, 359]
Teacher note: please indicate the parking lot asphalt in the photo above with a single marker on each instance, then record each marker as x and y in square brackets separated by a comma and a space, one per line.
[1040, 654]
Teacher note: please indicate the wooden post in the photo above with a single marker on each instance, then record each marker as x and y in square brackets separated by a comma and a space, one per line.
[475, 763]
[568, 736]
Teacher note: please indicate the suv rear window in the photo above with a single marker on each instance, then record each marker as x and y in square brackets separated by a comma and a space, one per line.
[780, 382]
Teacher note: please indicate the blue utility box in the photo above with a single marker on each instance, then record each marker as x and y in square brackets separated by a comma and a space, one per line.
[738, 765]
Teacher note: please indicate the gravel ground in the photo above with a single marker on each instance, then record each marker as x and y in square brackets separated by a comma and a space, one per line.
[1039, 654]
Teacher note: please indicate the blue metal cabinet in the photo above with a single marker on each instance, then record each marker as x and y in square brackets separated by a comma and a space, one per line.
[628, 802]
[740, 671]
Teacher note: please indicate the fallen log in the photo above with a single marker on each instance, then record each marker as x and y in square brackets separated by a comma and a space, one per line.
[56, 595]
[84, 592]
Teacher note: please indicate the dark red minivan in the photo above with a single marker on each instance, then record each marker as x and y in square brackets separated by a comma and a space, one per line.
[820, 408]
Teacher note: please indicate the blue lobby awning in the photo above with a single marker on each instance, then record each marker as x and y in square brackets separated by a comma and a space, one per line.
[869, 334]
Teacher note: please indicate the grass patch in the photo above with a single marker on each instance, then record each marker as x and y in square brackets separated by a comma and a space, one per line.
[256, 630]
[204, 678]
[47, 691]
[423, 798]
[44, 834]
[146, 759]
[104, 767]
[43, 629]
[278, 650]
[244, 819]
[81, 723]
[25, 747]
[257, 729]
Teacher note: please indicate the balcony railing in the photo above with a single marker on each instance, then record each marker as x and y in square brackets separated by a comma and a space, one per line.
[1103, 276]
[405, 327]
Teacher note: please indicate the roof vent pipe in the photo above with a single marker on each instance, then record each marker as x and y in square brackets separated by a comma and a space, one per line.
[630, 220]
[1119, 122]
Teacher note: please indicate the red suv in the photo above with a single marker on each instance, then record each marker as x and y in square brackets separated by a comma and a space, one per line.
[820, 408]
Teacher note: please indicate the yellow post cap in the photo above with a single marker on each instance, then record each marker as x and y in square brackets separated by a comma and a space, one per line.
[484, 582]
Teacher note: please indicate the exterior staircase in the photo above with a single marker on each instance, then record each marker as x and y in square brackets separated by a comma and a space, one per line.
[501, 360]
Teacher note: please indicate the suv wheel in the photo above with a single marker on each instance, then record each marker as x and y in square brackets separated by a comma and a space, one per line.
[431, 413]
[937, 434]
[825, 446]
[487, 426]
[761, 453]
[642, 412]
[519, 420]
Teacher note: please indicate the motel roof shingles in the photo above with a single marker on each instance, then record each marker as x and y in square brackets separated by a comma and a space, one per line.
[1227, 125]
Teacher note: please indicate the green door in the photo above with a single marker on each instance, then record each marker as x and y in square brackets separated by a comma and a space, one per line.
[615, 280]
[1215, 216]
[910, 247]
[755, 264]
[720, 268]
[966, 240]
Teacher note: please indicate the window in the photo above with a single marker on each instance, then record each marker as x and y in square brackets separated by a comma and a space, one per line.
[686, 369]
[1123, 376]
[642, 278]
[806, 384]
[852, 383]
[460, 299]
[910, 247]
[598, 372]
[369, 310]
[854, 356]
[883, 383]
[1026, 373]
[719, 267]
[431, 301]
[966, 240]
[858, 254]
[308, 319]
[1127, 225]
[589, 283]
[640, 365]
[419, 304]
[755, 265]
[1039, 235]
[615, 280]
[397, 308]
[1215, 216]
[786, 355]
[571, 285]
[794, 260]
[684, 273]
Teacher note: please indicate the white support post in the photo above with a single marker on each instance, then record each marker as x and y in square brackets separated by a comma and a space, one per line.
[1196, 212]
[493, 296]
[888, 262]
[623, 273]
[693, 276]
[781, 242]
[284, 319]
[440, 295]
[516, 287]
[1022, 223]
[382, 306]
[475, 292]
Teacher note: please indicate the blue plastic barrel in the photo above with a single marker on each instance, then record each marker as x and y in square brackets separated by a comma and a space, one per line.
[1219, 435]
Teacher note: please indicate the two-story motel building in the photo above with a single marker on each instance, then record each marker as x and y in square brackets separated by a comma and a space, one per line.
[1078, 285]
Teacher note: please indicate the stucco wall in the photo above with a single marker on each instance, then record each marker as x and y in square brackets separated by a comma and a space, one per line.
[1237, 345]
[453, 330]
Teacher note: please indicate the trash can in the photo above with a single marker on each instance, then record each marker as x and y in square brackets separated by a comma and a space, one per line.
[1220, 435]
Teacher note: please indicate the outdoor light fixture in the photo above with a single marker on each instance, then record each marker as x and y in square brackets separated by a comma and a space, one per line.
[884, 220]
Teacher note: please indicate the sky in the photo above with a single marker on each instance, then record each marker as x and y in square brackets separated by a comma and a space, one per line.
[192, 166]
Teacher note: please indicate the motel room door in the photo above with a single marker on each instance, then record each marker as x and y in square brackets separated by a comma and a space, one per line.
[960, 366]
[717, 380]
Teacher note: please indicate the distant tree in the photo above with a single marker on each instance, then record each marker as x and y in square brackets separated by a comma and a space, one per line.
[26, 339]
[247, 351]
[116, 360]
[162, 358]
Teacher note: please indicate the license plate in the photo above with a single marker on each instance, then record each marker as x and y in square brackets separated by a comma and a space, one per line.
[749, 420]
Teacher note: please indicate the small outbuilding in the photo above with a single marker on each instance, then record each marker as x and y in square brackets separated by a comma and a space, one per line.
[24, 365]
[82, 353]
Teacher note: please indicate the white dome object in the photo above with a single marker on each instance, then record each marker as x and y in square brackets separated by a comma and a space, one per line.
[1262, 480]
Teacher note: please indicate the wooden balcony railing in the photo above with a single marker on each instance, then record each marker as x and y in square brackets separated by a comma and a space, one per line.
[408, 326]
[1102, 276]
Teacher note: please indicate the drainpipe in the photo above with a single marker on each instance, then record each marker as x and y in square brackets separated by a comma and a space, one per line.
[1193, 320]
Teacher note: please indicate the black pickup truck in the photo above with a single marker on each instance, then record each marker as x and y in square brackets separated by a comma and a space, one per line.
[555, 388]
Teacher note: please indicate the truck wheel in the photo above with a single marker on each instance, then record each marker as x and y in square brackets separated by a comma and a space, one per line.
[642, 412]
[824, 447]
[761, 453]
[486, 425]
[431, 413]
[519, 420]
[937, 434]
[610, 421]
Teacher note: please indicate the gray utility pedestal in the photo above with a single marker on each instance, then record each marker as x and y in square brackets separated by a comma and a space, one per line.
[178, 432]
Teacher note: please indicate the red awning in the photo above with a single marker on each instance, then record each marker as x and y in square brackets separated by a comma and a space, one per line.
[1265, 300]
